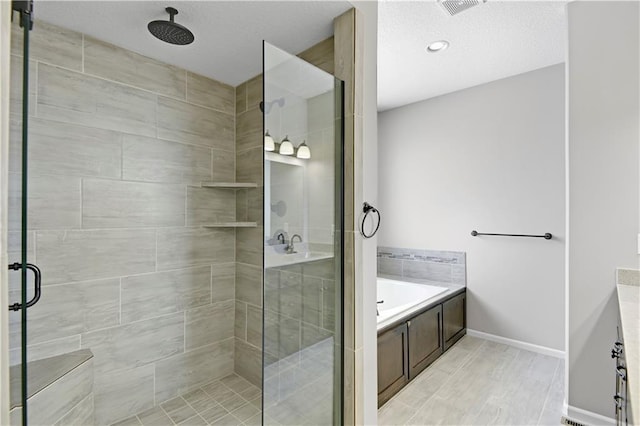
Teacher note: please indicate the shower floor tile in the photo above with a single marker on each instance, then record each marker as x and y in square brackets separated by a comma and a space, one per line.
[228, 401]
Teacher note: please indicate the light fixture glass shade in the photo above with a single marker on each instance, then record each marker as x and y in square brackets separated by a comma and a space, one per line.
[303, 151]
[269, 143]
[286, 147]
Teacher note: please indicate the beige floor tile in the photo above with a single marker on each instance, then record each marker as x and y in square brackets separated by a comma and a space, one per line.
[478, 382]
[194, 421]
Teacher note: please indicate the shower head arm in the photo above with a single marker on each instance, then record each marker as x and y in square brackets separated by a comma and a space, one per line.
[172, 12]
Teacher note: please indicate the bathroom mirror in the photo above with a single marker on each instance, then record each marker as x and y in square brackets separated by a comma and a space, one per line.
[285, 198]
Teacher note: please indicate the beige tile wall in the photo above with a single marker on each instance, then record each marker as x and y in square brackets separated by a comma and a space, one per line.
[118, 144]
[348, 33]
[249, 241]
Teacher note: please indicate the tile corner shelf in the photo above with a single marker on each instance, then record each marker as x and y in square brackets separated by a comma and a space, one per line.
[230, 185]
[231, 225]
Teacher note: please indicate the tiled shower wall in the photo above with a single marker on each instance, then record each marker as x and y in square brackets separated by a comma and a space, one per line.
[118, 146]
[433, 265]
[249, 241]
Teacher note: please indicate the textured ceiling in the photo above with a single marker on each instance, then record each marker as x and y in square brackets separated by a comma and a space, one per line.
[229, 34]
[494, 40]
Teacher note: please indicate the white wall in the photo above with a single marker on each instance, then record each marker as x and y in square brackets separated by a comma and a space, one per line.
[603, 137]
[489, 158]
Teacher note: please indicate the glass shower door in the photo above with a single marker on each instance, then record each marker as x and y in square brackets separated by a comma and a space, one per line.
[22, 294]
[303, 228]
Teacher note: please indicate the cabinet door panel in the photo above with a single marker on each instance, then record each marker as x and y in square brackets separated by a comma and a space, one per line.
[425, 343]
[454, 317]
[393, 369]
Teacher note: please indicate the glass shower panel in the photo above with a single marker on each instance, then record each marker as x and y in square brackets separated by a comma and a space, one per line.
[303, 228]
[22, 294]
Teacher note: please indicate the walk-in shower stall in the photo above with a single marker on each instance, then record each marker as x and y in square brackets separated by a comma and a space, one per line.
[175, 242]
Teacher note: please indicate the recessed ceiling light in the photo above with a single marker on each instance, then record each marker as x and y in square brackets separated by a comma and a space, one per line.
[438, 46]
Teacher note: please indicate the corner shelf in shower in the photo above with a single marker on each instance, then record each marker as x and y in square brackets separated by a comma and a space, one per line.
[229, 185]
[231, 225]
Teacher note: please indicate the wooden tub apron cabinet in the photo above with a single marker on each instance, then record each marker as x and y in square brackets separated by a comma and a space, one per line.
[413, 343]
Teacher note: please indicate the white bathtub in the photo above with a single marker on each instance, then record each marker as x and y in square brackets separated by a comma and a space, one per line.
[400, 297]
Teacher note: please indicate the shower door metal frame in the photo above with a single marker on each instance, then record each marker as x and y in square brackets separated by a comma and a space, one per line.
[25, 12]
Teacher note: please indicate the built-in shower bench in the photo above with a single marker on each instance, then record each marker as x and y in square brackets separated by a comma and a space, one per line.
[59, 389]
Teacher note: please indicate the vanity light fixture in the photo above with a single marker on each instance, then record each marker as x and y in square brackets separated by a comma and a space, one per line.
[437, 46]
[286, 147]
[303, 151]
[269, 143]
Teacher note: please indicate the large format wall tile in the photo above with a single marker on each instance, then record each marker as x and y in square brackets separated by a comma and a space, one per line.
[183, 122]
[182, 247]
[254, 325]
[223, 282]
[118, 204]
[136, 344]
[77, 98]
[65, 149]
[81, 414]
[210, 93]
[248, 362]
[249, 284]
[312, 300]
[240, 324]
[281, 334]
[241, 98]
[71, 309]
[290, 294]
[249, 165]
[210, 205]
[254, 91]
[186, 371]
[157, 160]
[123, 393]
[249, 130]
[47, 406]
[15, 84]
[49, 43]
[53, 202]
[249, 243]
[46, 350]
[65, 256]
[115, 63]
[209, 324]
[149, 295]
[223, 165]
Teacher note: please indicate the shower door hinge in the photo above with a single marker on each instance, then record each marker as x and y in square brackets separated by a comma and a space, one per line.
[25, 9]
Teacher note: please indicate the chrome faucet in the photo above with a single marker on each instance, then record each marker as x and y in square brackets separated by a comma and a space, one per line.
[290, 248]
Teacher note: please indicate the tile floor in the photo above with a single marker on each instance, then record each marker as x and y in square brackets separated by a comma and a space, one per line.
[299, 387]
[229, 401]
[478, 382]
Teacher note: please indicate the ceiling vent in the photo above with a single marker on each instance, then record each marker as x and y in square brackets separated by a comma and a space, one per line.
[453, 7]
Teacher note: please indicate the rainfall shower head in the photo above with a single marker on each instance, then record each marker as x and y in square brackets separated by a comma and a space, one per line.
[169, 31]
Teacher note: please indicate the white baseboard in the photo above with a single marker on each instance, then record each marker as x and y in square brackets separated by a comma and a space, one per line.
[587, 417]
[517, 344]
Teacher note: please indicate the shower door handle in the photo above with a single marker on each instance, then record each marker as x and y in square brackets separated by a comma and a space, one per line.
[37, 285]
